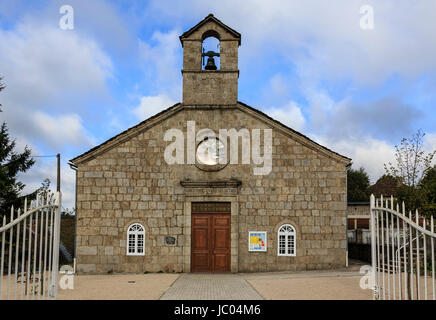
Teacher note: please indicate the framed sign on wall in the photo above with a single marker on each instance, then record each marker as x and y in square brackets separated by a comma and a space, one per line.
[170, 240]
[257, 241]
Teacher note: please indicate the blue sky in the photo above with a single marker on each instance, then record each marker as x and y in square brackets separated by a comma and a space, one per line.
[306, 63]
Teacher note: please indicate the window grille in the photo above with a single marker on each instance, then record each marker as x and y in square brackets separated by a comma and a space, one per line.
[286, 241]
[135, 240]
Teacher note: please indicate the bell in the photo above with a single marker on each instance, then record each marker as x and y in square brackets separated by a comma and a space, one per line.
[210, 64]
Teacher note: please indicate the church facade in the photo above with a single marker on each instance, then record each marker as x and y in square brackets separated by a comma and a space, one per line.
[247, 194]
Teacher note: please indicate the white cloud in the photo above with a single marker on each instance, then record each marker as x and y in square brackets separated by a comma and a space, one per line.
[152, 105]
[388, 117]
[369, 152]
[162, 61]
[41, 63]
[49, 73]
[104, 20]
[46, 168]
[61, 130]
[290, 115]
[47, 69]
[430, 142]
[365, 152]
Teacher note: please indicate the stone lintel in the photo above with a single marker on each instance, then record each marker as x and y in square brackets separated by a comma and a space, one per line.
[209, 188]
[211, 184]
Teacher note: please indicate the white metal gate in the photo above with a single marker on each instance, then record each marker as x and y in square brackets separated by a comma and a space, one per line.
[402, 252]
[29, 253]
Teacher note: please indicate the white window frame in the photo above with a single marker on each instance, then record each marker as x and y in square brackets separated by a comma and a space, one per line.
[287, 234]
[136, 230]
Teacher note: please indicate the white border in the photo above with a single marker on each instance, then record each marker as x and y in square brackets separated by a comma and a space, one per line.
[266, 241]
[136, 241]
[295, 241]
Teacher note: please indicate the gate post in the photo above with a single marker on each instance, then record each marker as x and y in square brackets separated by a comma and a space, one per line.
[373, 247]
[56, 239]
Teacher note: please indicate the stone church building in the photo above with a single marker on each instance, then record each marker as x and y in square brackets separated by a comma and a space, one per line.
[160, 196]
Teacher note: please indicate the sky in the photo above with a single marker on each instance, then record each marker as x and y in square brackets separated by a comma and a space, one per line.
[309, 64]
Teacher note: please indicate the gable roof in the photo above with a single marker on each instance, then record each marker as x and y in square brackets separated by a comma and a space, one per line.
[211, 17]
[163, 115]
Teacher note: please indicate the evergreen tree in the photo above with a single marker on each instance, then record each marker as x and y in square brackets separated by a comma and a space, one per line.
[11, 164]
[428, 189]
[357, 185]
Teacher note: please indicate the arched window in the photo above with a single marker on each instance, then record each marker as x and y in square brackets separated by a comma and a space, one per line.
[135, 240]
[286, 240]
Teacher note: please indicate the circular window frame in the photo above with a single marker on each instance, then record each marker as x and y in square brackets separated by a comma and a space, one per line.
[210, 167]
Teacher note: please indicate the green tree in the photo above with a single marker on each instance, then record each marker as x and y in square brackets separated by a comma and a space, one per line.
[357, 185]
[428, 190]
[411, 161]
[11, 164]
[411, 167]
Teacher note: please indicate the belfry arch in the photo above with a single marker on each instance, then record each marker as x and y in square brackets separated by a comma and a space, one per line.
[210, 50]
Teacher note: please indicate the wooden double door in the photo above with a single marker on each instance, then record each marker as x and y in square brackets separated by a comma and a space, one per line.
[210, 242]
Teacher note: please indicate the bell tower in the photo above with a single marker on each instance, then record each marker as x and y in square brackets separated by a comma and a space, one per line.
[204, 84]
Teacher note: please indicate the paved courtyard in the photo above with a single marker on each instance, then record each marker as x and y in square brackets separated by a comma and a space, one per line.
[119, 287]
[195, 286]
[313, 285]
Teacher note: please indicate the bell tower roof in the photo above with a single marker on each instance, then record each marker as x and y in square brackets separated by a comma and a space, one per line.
[211, 18]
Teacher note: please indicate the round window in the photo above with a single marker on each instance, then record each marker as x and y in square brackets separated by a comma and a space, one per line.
[211, 154]
[210, 151]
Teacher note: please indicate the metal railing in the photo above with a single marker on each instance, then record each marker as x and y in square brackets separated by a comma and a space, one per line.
[29, 253]
[402, 252]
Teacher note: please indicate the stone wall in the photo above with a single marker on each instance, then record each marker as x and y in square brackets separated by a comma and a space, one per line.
[131, 182]
[210, 87]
